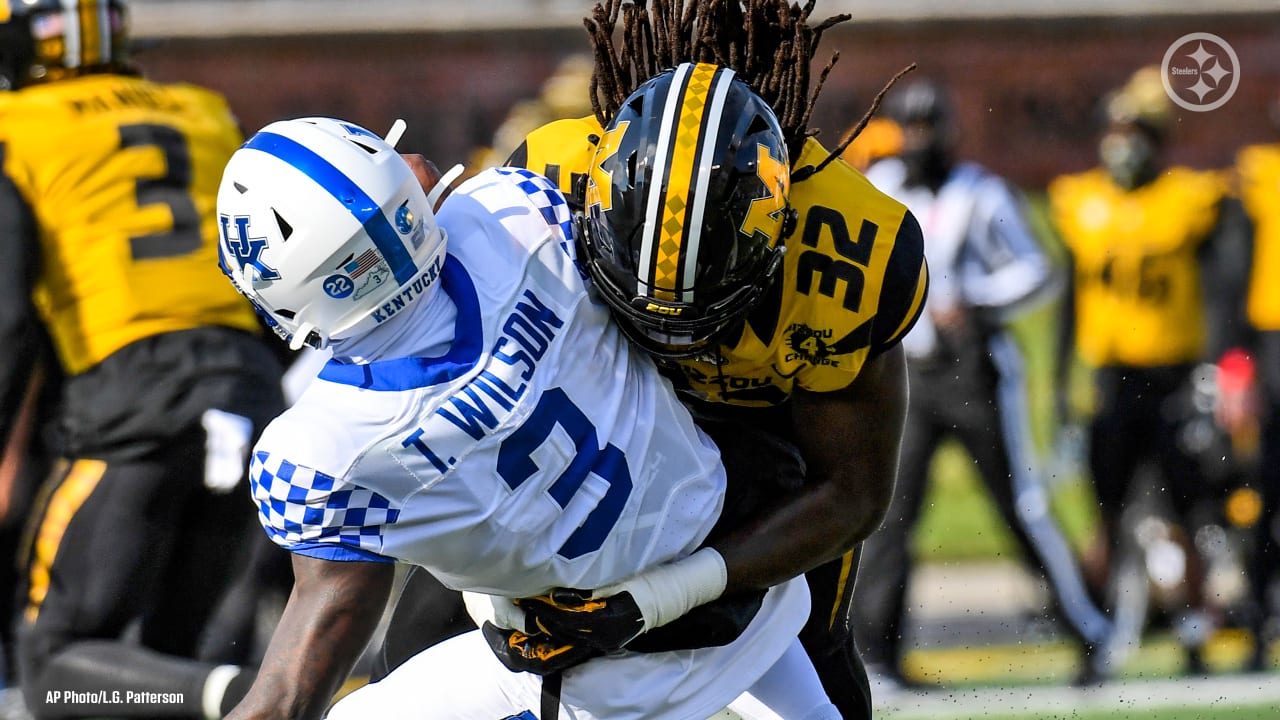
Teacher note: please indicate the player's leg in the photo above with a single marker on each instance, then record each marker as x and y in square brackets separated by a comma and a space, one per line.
[458, 679]
[790, 690]
[1186, 490]
[426, 613]
[100, 543]
[827, 637]
[211, 532]
[26, 460]
[263, 582]
[998, 436]
[1118, 444]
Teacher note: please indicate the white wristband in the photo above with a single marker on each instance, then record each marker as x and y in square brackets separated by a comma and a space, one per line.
[500, 611]
[666, 592]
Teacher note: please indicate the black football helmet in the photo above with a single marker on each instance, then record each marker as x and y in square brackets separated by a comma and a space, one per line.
[686, 208]
[46, 40]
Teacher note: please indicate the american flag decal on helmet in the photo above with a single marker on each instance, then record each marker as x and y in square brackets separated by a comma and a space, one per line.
[362, 264]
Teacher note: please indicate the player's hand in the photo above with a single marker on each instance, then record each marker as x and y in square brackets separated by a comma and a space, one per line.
[610, 617]
[534, 653]
[605, 623]
[953, 321]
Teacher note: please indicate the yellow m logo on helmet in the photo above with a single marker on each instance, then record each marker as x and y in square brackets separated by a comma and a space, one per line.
[599, 180]
[765, 214]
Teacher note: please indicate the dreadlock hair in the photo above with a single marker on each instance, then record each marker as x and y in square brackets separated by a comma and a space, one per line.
[769, 44]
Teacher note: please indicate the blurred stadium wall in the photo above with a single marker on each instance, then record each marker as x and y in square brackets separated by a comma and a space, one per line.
[1027, 74]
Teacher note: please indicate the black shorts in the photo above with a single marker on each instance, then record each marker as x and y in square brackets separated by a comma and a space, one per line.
[125, 530]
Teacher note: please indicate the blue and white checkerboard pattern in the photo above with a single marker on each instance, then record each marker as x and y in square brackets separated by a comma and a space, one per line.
[298, 505]
[545, 196]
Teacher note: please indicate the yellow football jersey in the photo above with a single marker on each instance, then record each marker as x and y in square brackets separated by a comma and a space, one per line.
[1139, 299]
[853, 279]
[122, 175]
[1259, 172]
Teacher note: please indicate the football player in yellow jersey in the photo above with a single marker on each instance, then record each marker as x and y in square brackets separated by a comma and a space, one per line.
[1138, 235]
[1258, 400]
[772, 281]
[108, 232]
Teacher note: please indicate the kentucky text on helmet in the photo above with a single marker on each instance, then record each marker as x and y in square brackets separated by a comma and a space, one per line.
[406, 296]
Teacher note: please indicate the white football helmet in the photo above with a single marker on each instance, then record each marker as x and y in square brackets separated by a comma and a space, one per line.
[326, 230]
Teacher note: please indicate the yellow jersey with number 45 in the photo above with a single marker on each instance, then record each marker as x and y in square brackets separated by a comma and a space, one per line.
[122, 176]
[853, 280]
[1139, 300]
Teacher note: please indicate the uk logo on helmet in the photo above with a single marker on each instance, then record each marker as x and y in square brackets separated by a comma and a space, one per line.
[244, 249]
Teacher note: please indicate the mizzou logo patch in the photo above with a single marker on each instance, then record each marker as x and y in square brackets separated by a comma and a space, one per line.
[810, 345]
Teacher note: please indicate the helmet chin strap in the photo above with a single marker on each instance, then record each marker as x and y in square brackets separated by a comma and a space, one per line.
[299, 339]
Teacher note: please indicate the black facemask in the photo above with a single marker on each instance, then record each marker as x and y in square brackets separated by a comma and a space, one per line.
[1129, 158]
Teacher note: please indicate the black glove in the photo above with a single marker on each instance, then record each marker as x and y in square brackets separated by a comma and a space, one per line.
[537, 654]
[572, 616]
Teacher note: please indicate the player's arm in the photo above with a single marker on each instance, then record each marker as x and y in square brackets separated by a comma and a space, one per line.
[849, 437]
[1225, 261]
[329, 619]
[850, 440]
[850, 445]
[1018, 272]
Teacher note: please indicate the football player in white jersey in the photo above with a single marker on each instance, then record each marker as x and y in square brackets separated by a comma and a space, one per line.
[482, 418]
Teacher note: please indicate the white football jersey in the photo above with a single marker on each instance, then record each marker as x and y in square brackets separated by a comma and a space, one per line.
[540, 451]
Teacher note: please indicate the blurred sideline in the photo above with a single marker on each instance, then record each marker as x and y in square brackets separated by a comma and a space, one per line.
[210, 18]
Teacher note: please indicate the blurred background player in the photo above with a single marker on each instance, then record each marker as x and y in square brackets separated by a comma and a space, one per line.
[1142, 238]
[566, 94]
[966, 373]
[1253, 406]
[106, 211]
[880, 139]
